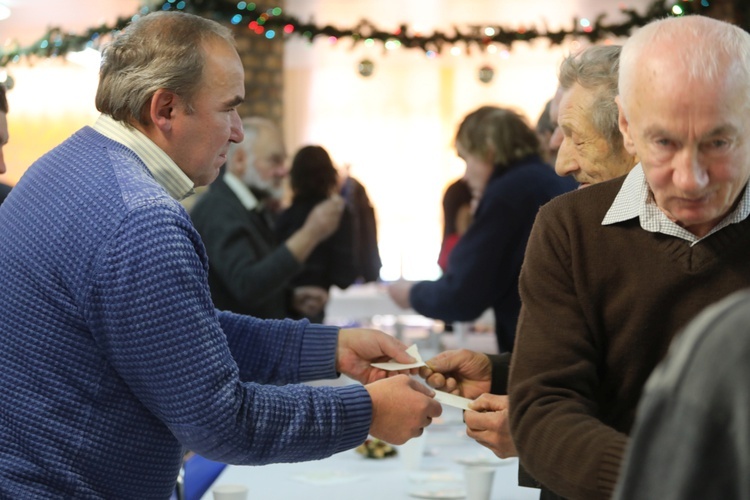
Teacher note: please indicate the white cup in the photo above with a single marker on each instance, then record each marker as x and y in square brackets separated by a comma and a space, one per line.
[230, 492]
[479, 480]
[412, 451]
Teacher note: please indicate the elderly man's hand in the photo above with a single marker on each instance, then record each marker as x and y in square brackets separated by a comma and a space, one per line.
[463, 372]
[488, 424]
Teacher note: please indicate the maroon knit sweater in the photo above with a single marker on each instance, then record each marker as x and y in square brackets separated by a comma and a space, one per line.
[600, 307]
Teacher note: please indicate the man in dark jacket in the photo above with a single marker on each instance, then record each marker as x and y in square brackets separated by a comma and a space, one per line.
[250, 271]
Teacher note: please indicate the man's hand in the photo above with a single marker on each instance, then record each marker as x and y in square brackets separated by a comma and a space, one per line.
[358, 347]
[399, 293]
[309, 301]
[401, 409]
[489, 426]
[462, 372]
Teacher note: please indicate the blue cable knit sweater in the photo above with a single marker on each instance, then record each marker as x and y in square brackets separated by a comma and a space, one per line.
[113, 357]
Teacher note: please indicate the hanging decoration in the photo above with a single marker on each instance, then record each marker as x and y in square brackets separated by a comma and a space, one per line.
[486, 74]
[275, 24]
[366, 67]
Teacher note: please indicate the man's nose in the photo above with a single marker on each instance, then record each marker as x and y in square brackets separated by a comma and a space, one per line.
[689, 174]
[565, 163]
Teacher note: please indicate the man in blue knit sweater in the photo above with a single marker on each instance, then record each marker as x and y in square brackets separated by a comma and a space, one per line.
[114, 358]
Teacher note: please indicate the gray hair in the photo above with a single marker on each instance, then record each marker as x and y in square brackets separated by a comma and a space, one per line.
[596, 69]
[709, 50]
[161, 50]
[499, 134]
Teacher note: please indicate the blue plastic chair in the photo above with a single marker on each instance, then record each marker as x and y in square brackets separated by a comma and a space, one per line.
[196, 477]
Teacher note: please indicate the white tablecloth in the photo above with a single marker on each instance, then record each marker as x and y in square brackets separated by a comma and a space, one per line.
[349, 475]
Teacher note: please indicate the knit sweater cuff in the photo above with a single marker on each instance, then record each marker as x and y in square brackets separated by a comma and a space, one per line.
[609, 469]
[318, 355]
[357, 416]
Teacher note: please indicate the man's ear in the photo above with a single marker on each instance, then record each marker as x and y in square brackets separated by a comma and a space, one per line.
[162, 108]
[622, 121]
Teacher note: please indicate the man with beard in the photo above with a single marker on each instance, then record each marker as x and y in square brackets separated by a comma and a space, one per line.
[251, 272]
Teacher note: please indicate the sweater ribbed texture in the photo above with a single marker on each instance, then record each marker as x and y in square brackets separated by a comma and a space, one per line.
[114, 359]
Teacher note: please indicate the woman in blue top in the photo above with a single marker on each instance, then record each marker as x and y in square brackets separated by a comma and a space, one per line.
[509, 182]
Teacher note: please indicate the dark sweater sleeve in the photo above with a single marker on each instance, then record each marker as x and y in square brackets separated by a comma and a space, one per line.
[554, 374]
[500, 369]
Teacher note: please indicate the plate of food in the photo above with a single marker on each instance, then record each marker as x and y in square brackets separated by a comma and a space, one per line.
[375, 448]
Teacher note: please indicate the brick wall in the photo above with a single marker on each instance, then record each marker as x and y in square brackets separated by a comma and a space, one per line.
[264, 70]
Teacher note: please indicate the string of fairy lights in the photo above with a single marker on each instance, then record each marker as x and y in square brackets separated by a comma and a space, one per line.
[275, 24]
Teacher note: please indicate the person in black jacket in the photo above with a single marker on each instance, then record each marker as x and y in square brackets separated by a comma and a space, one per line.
[314, 180]
[4, 189]
[365, 227]
[251, 270]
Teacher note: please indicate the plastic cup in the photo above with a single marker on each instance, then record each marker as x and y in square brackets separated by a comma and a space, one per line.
[412, 452]
[479, 479]
[230, 492]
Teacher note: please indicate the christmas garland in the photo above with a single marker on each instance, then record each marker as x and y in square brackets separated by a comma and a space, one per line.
[273, 23]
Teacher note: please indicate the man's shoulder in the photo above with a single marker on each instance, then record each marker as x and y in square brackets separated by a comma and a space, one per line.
[593, 200]
[218, 196]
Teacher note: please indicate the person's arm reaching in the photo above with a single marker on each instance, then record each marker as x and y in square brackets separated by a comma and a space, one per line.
[319, 225]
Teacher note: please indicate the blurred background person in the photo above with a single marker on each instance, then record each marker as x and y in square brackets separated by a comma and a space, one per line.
[457, 215]
[365, 227]
[457, 210]
[251, 271]
[506, 174]
[546, 126]
[4, 136]
[314, 179]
